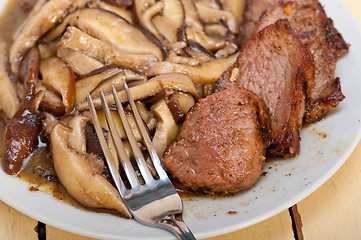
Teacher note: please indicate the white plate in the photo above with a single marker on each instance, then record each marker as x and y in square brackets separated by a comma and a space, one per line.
[325, 147]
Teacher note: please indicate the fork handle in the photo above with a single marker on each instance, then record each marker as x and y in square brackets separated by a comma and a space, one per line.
[176, 225]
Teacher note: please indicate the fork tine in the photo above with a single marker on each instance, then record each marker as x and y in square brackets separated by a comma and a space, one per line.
[147, 176]
[124, 159]
[153, 154]
[103, 144]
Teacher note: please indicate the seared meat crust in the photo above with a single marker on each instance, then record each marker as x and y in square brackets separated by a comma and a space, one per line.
[310, 22]
[222, 144]
[254, 11]
[275, 65]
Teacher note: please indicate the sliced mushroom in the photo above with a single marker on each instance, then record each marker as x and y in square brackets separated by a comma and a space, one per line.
[79, 41]
[210, 43]
[174, 58]
[119, 125]
[118, 82]
[58, 77]
[163, 19]
[171, 21]
[93, 145]
[198, 52]
[236, 7]
[212, 15]
[161, 84]
[191, 14]
[80, 173]
[20, 90]
[9, 101]
[77, 136]
[46, 50]
[113, 30]
[106, 86]
[48, 123]
[205, 73]
[122, 3]
[143, 110]
[21, 134]
[144, 12]
[85, 85]
[179, 105]
[216, 29]
[167, 128]
[79, 62]
[90, 82]
[51, 103]
[39, 22]
[29, 71]
[196, 47]
[229, 49]
[118, 9]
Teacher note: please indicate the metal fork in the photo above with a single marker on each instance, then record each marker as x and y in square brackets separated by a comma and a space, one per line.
[155, 203]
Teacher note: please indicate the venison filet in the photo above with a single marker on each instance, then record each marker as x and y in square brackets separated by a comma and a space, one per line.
[221, 146]
[275, 65]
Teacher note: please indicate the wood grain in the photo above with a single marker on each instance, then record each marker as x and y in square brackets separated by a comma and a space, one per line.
[57, 234]
[15, 225]
[334, 210]
[278, 227]
[296, 222]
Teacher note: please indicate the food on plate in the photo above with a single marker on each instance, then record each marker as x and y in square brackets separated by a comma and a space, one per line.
[275, 65]
[44, 15]
[310, 22]
[221, 146]
[81, 172]
[219, 89]
[9, 99]
[253, 13]
[21, 135]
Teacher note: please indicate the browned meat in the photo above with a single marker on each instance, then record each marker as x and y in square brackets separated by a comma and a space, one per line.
[317, 32]
[336, 39]
[222, 144]
[275, 65]
[254, 10]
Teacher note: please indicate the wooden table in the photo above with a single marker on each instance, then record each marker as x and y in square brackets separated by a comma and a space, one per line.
[331, 212]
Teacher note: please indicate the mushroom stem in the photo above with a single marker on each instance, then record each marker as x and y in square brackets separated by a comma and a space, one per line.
[208, 72]
[161, 83]
[21, 134]
[9, 100]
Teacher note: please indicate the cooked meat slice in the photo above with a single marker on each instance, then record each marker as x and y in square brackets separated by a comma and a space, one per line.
[251, 16]
[222, 144]
[316, 31]
[275, 65]
[335, 37]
